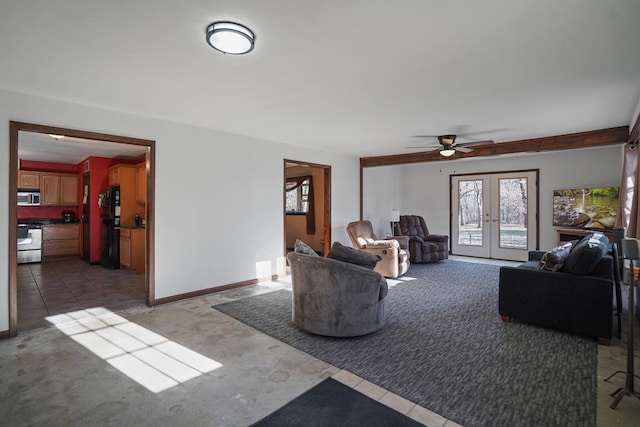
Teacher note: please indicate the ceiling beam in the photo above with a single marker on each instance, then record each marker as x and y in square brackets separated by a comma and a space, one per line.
[594, 138]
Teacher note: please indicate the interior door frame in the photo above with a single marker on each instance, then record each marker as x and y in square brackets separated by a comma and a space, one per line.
[453, 215]
[14, 128]
[326, 208]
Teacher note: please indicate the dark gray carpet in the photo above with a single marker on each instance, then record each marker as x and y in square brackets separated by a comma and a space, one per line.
[446, 348]
[331, 404]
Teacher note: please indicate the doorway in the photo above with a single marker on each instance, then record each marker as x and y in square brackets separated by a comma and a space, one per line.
[307, 205]
[495, 215]
[149, 161]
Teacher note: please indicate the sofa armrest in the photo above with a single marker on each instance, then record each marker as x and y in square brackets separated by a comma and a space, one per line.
[402, 240]
[377, 244]
[416, 239]
[536, 255]
[386, 253]
[436, 238]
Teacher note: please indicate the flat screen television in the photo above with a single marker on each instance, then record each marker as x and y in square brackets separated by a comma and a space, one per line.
[585, 207]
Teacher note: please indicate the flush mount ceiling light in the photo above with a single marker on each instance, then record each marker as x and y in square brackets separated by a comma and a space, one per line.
[56, 137]
[229, 37]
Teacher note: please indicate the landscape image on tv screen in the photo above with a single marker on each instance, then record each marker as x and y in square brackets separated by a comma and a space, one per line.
[585, 207]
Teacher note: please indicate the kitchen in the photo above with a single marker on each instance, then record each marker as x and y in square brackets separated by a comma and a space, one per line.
[81, 225]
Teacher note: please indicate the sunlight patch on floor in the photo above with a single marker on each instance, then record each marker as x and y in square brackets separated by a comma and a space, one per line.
[144, 356]
[280, 283]
[392, 282]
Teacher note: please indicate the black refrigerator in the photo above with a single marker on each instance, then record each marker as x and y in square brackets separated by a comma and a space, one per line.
[110, 203]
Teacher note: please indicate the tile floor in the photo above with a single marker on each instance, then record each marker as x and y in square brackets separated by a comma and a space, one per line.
[70, 284]
[79, 388]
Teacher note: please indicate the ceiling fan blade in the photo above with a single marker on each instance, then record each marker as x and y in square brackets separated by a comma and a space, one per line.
[425, 147]
[463, 149]
[474, 143]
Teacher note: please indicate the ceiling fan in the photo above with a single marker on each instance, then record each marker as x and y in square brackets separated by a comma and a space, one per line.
[448, 146]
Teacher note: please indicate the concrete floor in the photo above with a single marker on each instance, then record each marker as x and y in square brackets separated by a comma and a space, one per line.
[48, 378]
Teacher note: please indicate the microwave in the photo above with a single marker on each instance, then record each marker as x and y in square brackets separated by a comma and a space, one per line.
[28, 197]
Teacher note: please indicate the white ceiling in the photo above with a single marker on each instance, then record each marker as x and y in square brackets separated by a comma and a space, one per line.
[359, 77]
[44, 148]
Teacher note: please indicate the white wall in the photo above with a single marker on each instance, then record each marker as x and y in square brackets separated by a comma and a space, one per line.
[382, 191]
[424, 187]
[634, 117]
[219, 207]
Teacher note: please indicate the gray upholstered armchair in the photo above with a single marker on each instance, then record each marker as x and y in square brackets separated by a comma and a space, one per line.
[393, 252]
[423, 246]
[336, 298]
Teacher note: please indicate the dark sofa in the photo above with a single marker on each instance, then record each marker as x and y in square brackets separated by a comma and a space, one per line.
[576, 298]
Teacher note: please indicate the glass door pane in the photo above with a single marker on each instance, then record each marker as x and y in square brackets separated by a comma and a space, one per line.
[470, 225]
[513, 213]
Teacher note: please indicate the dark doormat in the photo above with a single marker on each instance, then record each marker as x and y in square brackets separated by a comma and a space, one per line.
[332, 403]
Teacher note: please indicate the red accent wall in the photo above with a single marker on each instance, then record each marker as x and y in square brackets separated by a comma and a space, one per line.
[98, 182]
[31, 165]
[44, 212]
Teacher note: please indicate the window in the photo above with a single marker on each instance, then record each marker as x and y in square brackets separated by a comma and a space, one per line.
[297, 191]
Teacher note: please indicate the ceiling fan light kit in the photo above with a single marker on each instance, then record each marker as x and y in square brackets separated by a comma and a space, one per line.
[447, 139]
[447, 144]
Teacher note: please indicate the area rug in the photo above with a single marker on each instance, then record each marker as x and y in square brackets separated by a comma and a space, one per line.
[445, 348]
[332, 403]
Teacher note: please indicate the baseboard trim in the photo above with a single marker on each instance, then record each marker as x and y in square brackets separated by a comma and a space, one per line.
[207, 291]
[4, 335]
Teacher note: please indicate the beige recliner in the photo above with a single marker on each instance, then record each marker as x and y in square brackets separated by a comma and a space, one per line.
[394, 252]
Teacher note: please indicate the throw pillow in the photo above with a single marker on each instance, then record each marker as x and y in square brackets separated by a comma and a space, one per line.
[554, 259]
[353, 256]
[586, 254]
[302, 248]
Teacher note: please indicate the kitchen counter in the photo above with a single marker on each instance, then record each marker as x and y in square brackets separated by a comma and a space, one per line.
[133, 227]
[45, 221]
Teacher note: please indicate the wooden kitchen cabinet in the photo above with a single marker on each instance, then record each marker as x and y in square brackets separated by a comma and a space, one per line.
[60, 240]
[132, 249]
[114, 176]
[125, 248]
[59, 189]
[49, 189]
[124, 176]
[141, 184]
[28, 180]
[68, 190]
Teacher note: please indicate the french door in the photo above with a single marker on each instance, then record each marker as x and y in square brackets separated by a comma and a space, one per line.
[494, 215]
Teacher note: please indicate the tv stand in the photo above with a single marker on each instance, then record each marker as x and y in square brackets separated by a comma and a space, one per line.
[615, 235]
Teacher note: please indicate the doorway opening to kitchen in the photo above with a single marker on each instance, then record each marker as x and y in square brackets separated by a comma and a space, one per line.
[69, 208]
[307, 205]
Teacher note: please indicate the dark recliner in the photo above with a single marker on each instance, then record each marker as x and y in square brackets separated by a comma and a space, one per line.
[423, 246]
